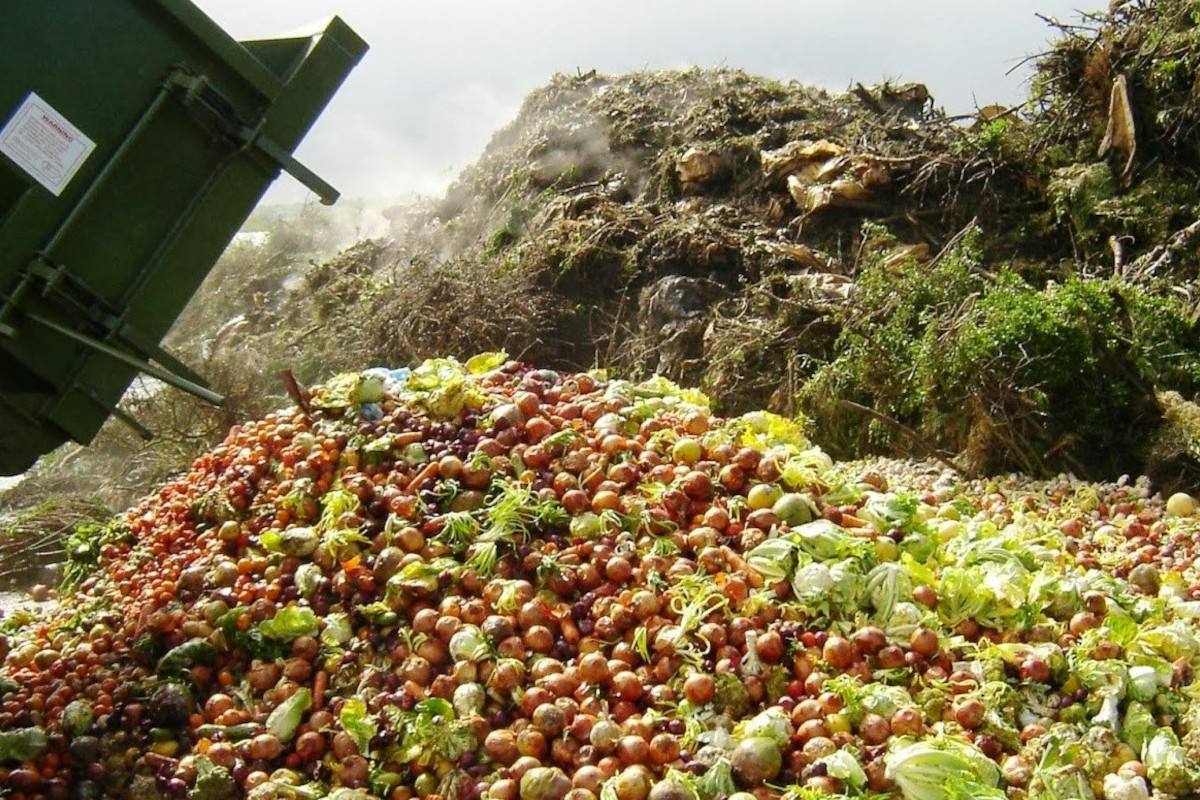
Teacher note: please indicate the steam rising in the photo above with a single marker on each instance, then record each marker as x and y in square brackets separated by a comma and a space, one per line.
[440, 78]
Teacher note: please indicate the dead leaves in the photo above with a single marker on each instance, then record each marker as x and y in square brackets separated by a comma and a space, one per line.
[1121, 134]
[823, 174]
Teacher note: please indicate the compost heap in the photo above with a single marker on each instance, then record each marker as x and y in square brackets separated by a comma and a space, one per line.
[485, 580]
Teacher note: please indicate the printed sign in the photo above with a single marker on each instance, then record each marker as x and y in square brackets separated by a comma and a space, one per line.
[45, 144]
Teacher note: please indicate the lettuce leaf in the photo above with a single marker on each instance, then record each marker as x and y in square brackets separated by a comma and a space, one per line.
[773, 724]
[285, 720]
[357, 722]
[23, 744]
[887, 585]
[947, 770]
[774, 559]
[486, 362]
[1138, 727]
[290, 623]
[889, 510]
[844, 766]
[350, 389]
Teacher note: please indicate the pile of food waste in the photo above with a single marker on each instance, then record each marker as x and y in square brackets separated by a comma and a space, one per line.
[488, 581]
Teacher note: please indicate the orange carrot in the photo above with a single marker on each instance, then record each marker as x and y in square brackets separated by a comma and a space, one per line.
[426, 474]
[405, 439]
[320, 682]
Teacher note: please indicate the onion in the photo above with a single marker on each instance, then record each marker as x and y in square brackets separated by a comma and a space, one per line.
[907, 722]
[670, 790]
[545, 783]
[700, 688]
[924, 642]
[605, 735]
[549, 719]
[838, 652]
[632, 783]
[756, 761]
[869, 640]
[1016, 771]
[969, 713]
[874, 729]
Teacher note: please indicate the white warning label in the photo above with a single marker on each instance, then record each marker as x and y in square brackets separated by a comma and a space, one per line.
[45, 144]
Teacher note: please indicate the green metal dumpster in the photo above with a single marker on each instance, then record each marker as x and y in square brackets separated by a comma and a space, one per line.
[135, 138]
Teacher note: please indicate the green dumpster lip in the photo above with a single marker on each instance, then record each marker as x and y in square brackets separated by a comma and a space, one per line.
[189, 127]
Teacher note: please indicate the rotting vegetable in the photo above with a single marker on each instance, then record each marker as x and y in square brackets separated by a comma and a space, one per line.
[492, 582]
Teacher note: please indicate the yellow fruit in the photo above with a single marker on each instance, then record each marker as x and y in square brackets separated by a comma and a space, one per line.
[1181, 504]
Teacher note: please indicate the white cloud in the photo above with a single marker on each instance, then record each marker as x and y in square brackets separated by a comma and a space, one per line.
[440, 78]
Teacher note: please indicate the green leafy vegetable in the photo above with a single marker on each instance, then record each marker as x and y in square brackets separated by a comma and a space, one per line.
[444, 387]
[287, 716]
[83, 548]
[459, 531]
[308, 579]
[824, 540]
[774, 559]
[943, 769]
[731, 698]
[887, 585]
[1138, 726]
[773, 724]
[357, 722]
[1061, 772]
[486, 362]
[297, 541]
[177, 659]
[337, 630]
[886, 511]
[763, 430]
[884, 700]
[1167, 765]
[290, 623]
[716, 782]
[431, 733]
[379, 614]
[844, 766]
[1144, 683]
[350, 389]
[212, 782]
[22, 744]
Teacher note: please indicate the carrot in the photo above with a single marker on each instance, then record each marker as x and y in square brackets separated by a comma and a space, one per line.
[405, 439]
[426, 474]
[737, 563]
[570, 631]
[320, 683]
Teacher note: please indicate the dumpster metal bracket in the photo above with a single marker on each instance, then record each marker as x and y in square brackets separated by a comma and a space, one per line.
[199, 94]
[327, 194]
[142, 365]
[58, 282]
[114, 409]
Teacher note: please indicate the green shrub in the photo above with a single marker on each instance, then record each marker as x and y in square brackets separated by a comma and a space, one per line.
[888, 329]
[1018, 376]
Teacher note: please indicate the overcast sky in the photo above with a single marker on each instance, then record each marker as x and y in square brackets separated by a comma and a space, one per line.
[441, 77]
